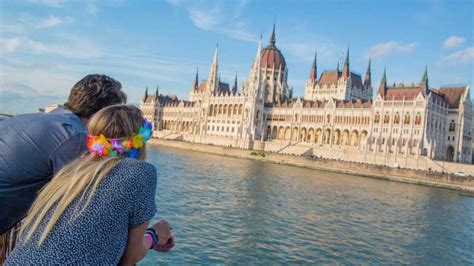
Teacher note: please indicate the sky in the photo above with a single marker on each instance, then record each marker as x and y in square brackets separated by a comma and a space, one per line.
[46, 46]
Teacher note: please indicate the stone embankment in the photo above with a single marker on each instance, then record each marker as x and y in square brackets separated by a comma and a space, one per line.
[434, 179]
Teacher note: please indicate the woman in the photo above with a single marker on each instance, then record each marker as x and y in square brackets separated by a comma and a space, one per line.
[96, 209]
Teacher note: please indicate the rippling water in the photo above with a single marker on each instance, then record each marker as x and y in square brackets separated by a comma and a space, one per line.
[226, 210]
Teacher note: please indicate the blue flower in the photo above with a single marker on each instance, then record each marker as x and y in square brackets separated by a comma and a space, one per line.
[133, 153]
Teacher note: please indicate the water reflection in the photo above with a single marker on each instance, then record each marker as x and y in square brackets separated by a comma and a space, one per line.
[227, 210]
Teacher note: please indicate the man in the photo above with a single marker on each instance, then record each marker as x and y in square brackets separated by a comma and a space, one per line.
[34, 147]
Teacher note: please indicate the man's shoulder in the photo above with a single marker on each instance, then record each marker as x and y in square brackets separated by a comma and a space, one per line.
[39, 122]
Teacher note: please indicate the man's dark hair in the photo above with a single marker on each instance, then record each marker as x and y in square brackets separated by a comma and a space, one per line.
[93, 93]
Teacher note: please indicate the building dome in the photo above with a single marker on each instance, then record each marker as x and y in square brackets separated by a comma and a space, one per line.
[271, 56]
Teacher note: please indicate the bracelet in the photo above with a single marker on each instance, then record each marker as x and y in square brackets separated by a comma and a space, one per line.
[149, 237]
[151, 231]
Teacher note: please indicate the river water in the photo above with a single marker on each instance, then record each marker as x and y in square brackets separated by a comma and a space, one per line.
[236, 211]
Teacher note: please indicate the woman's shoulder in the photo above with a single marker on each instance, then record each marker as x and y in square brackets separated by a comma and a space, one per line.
[138, 171]
[135, 165]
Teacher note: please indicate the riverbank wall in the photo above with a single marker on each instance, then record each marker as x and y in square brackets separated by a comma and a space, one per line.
[427, 178]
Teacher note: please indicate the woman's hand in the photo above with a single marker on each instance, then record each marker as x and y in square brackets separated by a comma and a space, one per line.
[166, 247]
[163, 228]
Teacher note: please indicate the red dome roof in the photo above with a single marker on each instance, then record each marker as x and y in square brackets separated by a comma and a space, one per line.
[272, 58]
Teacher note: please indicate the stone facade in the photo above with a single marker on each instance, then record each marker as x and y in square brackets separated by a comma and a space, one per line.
[337, 118]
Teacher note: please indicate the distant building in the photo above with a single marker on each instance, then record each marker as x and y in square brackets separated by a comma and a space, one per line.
[4, 116]
[51, 107]
[338, 117]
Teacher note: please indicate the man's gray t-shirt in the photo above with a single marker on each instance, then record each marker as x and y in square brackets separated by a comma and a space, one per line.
[33, 147]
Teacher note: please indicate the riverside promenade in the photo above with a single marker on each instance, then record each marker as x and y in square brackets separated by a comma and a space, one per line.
[418, 177]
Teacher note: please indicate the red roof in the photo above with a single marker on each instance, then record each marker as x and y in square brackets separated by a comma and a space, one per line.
[330, 77]
[161, 98]
[452, 95]
[223, 87]
[400, 93]
[272, 58]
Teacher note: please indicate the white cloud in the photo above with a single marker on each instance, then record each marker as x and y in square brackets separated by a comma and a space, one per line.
[69, 47]
[10, 45]
[386, 48]
[460, 57]
[221, 17]
[205, 19]
[453, 42]
[51, 21]
[91, 9]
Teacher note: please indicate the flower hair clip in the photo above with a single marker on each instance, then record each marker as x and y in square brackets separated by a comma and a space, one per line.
[103, 147]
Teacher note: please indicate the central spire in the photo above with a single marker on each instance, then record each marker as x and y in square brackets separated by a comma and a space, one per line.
[272, 41]
[345, 69]
[314, 69]
[213, 78]
[368, 77]
[383, 83]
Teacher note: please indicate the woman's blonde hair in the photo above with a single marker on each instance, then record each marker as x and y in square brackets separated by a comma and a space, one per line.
[82, 176]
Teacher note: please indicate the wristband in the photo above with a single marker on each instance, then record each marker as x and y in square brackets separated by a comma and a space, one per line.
[150, 240]
[151, 231]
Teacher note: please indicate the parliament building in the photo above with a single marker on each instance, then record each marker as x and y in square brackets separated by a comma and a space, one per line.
[340, 116]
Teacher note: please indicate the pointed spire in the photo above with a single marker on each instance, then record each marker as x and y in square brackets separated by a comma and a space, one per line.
[383, 83]
[196, 80]
[146, 93]
[234, 88]
[255, 72]
[425, 74]
[157, 92]
[213, 78]
[272, 42]
[384, 76]
[424, 81]
[368, 76]
[314, 69]
[337, 69]
[345, 69]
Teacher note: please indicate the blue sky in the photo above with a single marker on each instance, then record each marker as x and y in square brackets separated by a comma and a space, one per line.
[48, 45]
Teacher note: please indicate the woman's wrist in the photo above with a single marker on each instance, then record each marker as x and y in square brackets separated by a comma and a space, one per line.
[153, 235]
[149, 239]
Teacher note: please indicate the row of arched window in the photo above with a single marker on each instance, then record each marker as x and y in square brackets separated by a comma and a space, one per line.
[355, 120]
[231, 109]
[396, 119]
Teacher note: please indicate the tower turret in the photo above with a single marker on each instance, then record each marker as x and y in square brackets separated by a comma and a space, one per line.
[213, 78]
[345, 70]
[146, 93]
[424, 82]
[383, 83]
[368, 77]
[272, 41]
[196, 80]
[234, 87]
[314, 68]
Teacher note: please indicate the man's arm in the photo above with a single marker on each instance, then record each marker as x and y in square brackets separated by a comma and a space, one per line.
[69, 150]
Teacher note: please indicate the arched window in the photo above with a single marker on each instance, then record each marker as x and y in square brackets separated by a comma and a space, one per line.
[377, 118]
[418, 119]
[452, 126]
[386, 118]
[406, 121]
[396, 119]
